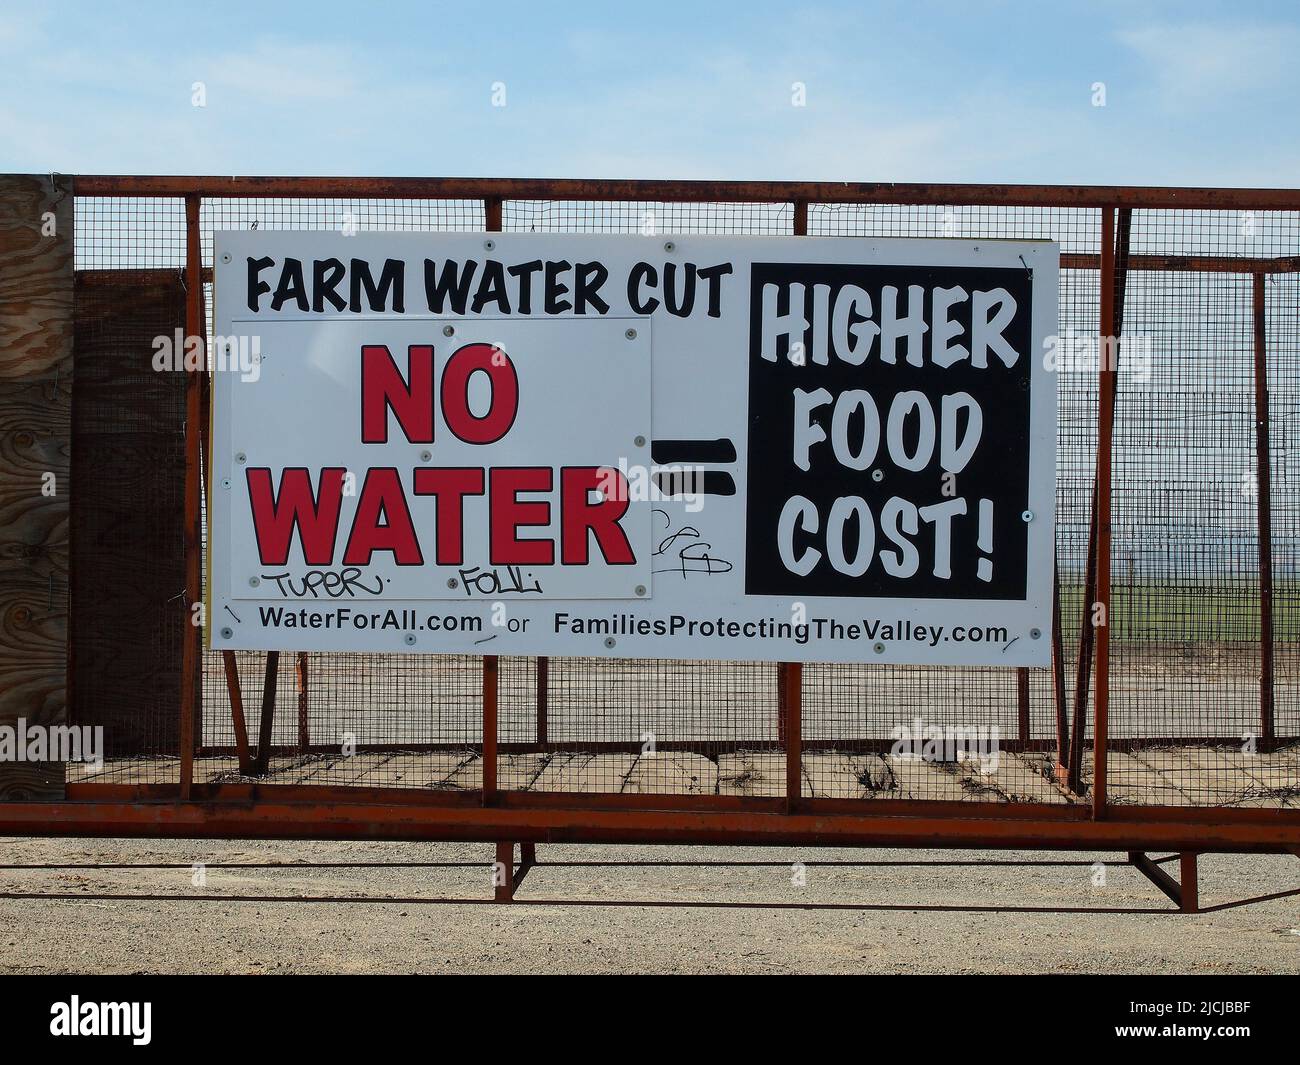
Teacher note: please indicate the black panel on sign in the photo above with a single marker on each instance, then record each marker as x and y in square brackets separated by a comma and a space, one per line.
[936, 510]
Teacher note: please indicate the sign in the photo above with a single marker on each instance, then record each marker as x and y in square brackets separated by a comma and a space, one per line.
[704, 447]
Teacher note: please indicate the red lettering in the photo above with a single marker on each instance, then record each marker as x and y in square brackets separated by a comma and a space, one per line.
[275, 515]
[580, 517]
[504, 406]
[449, 487]
[508, 514]
[383, 387]
[382, 497]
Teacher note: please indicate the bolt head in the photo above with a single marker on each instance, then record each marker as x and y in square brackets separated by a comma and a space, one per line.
[640, 589]
[630, 334]
[1035, 634]
[669, 246]
[877, 475]
[452, 582]
[241, 458]
[226, 633]
[1027, 515]
[225, 257]
[639, 441]
[879, 648]
[448, 330]
[253, 582]
[609, 641]
[426, 456]
[409, 639]
[489, 245]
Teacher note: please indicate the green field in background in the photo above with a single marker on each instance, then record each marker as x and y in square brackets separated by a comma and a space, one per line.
[1165, 613]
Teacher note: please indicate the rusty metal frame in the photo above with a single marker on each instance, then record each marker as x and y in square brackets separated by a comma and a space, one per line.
[272, 811]
[1264, 503]
[1183, 891]
[494, 190]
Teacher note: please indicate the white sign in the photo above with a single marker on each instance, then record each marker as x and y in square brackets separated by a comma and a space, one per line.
[710, 447]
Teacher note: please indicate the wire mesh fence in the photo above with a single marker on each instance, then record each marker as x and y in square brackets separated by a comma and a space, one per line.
[1204, 703]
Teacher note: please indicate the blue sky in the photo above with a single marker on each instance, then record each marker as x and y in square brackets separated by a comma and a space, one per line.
[1195, 93]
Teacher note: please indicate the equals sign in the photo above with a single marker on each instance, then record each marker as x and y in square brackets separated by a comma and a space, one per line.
[693, 453]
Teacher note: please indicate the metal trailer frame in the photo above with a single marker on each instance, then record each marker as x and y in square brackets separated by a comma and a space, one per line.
[334, 812]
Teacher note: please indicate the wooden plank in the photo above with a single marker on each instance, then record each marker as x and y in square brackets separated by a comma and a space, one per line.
[36, 312]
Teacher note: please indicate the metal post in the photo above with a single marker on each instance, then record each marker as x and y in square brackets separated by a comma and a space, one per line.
[205, 485]
[1189, 895]
[1118, 249]
[304, 733]
[266, 727]
[1084, 665]
[1058, 681]
[237, 712]
[800, 218]
[543, 698]
[1022, 706]
[492, 221]
[489, 729]
[789, 675]
[793, 687]
[1264, 513]
[191, 648]
[1105, 445]
[504, 873]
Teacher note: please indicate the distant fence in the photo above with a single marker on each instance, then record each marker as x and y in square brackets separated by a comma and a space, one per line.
[1178, 515]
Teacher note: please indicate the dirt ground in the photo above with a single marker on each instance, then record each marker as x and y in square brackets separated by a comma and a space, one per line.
[552, 933]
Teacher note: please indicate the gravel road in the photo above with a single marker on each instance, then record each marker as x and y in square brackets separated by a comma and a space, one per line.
[181, 934]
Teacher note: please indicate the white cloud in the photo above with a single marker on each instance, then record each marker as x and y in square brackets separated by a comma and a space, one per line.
[1201, 60]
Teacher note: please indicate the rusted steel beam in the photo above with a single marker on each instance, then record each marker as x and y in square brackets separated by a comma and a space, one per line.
[1166, 883]
[1116, 251]
[543, 697]
[304, 730]
[1106, 390]
[205, 479]
[1187, 880]
[780, 705]
[191, 647]
[328, 794]
[793, 684]
[266, 727]
[713, 748]
[789, 702]
[490, 693]
[237, 721]
[1082, 196]
[800, 228]
[491, 681]
[1083, 666]
[503, 873]
[1264, 518]
[1058, 680]
[1207, 264]
[269, 819]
